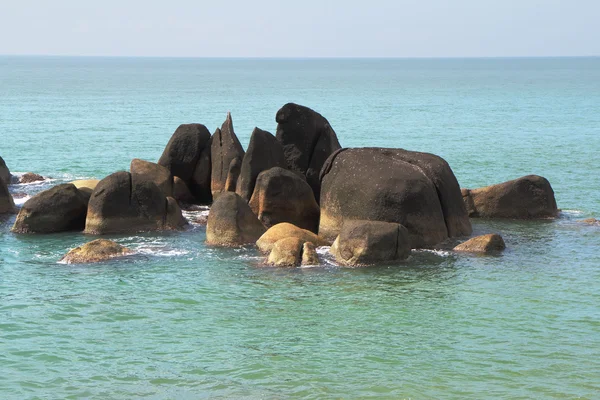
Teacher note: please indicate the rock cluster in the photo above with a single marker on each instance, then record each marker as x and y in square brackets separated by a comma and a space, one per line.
[289, 193]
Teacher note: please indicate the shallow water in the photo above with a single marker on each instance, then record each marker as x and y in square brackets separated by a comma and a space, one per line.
[183, 320]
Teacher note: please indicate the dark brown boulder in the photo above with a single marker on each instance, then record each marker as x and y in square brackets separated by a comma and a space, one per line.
[370, 242]
[264, 152]
[485, 244]
[231, 222]
[58, 209]
[225, 148]
[123, 203]
[5, 172]
[200, 184]
[281, 195]
[184, 149]
[151, 172]
[529, 197]
[416, 190]
[307, 140]
[7, 204]
[181, 192]
[235, 166]
[30, 177]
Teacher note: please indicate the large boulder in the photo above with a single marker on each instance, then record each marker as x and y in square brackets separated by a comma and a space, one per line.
[416, 190]
[231, 222]
[486, 244]
[307, 139]
[225, 148]
[281, 195]
[151, 172]
[95, 251]
[186, 156]
[4, 172]
[58, 209]
[370, 242]
[123, 203]
[264, 152]
[284, 230]
[528, 197]
[7, 204]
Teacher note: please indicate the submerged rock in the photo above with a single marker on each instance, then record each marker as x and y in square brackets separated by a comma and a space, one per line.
[590, 221]
[30, 177]
[485, 244]
[95, 251]
[281, 195]
[284, 230]
[225, 148]
[58, 209]
[307, 140]
[529, 197]
[416, 190]
[370, 242]
[231, 222]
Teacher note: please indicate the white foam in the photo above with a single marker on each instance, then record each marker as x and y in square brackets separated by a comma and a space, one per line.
[161, 251]
[22, 200]
[441, 253]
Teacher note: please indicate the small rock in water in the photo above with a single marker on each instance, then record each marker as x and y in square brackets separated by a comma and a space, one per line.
[29, 177]
[482, 244]
[95, 251]
[590, 221]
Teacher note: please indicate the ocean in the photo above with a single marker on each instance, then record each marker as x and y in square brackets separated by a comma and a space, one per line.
[181, 320]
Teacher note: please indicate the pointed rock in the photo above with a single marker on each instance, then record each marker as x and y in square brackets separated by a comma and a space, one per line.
[4, 172]
[225, 147]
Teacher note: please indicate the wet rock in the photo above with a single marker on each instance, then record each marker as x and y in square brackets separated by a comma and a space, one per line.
[529, 197]
[122, 203]
[225, 147]
[30, 177]
[286, 253]
[416, 190]
[309, 254]
[58, 209]
[281, 195]
[370, 242]
[231, 222]
[95, 251]
[485, 244]
[285, 230]
[307, 140]
[264, 152]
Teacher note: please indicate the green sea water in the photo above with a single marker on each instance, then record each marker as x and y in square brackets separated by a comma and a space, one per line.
[181, 320]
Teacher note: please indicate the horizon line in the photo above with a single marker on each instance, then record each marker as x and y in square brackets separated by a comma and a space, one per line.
[300, 57]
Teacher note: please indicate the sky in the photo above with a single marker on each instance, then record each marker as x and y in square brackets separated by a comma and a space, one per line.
[301, 28]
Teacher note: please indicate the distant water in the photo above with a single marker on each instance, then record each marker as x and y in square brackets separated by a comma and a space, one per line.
[181, 320]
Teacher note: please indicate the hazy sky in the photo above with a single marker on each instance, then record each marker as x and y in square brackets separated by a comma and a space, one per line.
[301, 28]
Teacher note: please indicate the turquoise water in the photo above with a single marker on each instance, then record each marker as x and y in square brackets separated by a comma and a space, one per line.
[184, 321]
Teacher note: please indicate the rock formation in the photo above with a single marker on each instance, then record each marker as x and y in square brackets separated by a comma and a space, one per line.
[307, 140]
[225, 148]
[416, 190]
[231, 222]
[281, 195]
[529, 197]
